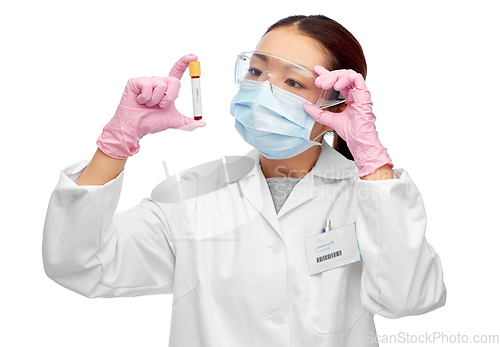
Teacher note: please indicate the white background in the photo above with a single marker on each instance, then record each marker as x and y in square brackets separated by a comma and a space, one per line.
[433, 74]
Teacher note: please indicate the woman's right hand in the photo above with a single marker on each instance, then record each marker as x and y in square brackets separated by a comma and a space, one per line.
[147, 107]
[356, 124]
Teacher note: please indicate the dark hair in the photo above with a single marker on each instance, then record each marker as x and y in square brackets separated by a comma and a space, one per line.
[341, 47]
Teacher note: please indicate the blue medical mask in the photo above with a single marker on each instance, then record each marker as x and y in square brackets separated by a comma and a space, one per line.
[275, 124]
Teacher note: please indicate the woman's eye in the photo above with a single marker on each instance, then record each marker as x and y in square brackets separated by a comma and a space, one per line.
[294, 84]
[254, 72]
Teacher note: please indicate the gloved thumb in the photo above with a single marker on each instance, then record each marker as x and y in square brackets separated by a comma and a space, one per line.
[319, 115]
[336, 121]
[192, 124]
[181, 65]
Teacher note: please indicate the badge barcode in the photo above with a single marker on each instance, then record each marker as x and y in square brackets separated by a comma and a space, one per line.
[328, 256]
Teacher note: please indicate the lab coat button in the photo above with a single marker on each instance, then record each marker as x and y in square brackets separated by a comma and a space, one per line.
[277, 246]
[278, 318]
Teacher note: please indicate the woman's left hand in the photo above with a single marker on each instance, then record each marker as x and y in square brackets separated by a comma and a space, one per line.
[356, 124]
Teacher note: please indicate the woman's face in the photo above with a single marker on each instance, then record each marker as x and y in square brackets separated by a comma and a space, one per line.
[290, 44]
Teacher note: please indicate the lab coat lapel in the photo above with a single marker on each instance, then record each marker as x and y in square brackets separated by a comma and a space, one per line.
[257, 192]
[303, 191]
[331, 165]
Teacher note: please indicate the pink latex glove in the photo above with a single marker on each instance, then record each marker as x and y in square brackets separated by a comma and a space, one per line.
[147, 107]
[356, 124]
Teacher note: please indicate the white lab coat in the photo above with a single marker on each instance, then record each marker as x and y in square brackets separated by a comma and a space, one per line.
[238, 272]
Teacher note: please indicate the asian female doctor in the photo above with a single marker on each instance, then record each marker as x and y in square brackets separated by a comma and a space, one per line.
[267, 276]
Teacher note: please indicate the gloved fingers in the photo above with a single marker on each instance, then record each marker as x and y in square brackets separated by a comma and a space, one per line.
[350, 80]
[159, 88]
[171, 93]
[339, 79]
[326, 79]
[181, 65]
[144, 87]
[320, 70]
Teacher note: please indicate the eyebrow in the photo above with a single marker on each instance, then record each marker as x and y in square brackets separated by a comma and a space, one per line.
[260, 56]
[289, 66]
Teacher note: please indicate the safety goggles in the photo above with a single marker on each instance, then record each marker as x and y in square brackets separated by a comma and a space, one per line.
[262, 70]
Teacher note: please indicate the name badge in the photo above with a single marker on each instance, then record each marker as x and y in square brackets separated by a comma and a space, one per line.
[332, 249]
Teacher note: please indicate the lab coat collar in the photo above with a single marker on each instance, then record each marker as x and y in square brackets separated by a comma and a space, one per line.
[333, 165]
[330, 165]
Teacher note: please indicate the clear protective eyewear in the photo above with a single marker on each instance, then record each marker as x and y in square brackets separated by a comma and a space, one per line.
[254, 69]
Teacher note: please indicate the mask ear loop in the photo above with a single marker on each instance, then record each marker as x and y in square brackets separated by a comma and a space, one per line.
[318, 136]
[322, 96]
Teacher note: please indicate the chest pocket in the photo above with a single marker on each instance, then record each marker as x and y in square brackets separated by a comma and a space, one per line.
[334, 299]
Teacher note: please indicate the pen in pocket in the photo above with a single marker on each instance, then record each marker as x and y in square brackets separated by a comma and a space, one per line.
[328, 226]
